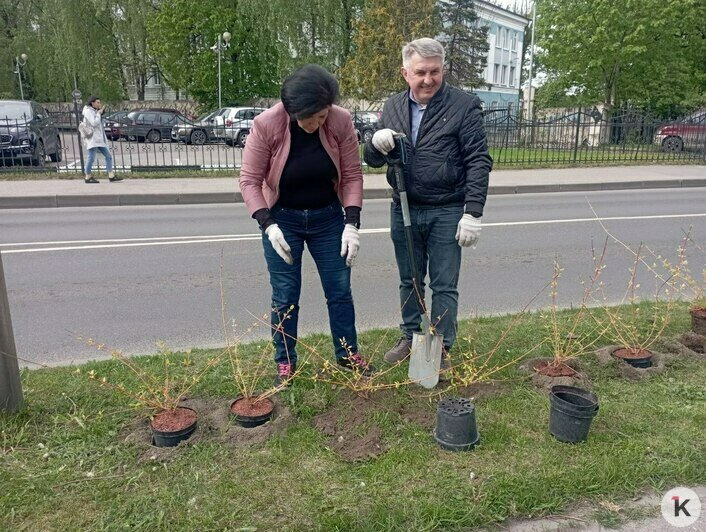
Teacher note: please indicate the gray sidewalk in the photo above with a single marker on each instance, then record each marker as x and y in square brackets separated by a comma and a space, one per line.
[75, 193]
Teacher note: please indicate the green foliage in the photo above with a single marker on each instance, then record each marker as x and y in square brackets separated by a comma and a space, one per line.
[466, 44]
[315, 31]
[646, 52]
[181, 37]
[373, 69]
[67, 41]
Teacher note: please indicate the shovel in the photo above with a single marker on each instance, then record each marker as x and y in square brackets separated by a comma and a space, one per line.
[425, 355]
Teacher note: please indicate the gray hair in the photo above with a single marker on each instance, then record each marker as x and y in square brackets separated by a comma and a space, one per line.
[424, 47]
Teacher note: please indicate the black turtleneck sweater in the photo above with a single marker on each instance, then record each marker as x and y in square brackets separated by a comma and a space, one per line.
[307, 178]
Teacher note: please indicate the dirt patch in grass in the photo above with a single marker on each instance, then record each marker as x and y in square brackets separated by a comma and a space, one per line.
[659, 363]
[695, 344]
[350, 426]
[574, 377]
[214, 425]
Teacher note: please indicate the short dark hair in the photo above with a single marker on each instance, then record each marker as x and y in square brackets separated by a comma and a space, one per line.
[92, 99]
[308, 90]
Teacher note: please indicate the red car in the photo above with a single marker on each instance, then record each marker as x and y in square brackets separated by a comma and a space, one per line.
[688, 133]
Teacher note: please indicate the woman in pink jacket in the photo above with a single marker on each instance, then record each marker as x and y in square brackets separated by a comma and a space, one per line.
[301, 180]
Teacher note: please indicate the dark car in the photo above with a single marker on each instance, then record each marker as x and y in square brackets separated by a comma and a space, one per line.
[27, 133]
[688, 133]
[202, 130]
[113, 122]
[151, 125]
[366, 123]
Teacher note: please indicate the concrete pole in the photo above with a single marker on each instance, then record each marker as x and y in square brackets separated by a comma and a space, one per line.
[530, 107]
[10, 384]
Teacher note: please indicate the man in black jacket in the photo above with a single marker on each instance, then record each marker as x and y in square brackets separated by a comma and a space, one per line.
[446, 177]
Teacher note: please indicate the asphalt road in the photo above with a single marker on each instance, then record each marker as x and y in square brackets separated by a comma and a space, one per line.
[131, 276]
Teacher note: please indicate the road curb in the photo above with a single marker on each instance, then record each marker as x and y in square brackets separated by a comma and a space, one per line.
[195, 198]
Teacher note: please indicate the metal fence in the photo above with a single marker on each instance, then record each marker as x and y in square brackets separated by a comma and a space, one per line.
[573, 137]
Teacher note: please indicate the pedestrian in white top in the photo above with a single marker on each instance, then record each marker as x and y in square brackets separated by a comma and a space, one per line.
[97, 141]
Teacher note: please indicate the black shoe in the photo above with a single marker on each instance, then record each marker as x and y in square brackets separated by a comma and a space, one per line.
[91, 180]
[357, 364]
[285, 372]
[115, 179]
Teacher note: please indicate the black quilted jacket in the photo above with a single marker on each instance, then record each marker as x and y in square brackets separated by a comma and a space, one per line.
[450, 163]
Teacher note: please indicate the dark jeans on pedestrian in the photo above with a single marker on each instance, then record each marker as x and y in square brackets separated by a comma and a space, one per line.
[320, 230]
[436, 251]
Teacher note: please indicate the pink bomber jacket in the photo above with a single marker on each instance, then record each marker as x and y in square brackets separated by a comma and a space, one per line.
[267, 149]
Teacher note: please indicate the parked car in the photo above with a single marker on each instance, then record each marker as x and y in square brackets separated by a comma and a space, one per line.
[113, 122]
[366, 123]
[27, 133]
[688, 133]
[202, 130]
[151, 125]
[235, 124]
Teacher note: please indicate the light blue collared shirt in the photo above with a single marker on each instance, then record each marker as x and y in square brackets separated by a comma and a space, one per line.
[416, 111]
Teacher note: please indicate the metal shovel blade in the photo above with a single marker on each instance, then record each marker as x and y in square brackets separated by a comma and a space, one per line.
[425, 359]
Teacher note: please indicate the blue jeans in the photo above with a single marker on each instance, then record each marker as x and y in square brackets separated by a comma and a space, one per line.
[320, 230]
[92, 157]
[435, 247]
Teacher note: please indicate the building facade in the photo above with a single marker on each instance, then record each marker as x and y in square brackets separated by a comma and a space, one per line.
[506, 33]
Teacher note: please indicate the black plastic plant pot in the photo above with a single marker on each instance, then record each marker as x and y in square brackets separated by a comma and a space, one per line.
[171, 438]
[641, 362]
[571, 412]
[258, 412]
[456, 424]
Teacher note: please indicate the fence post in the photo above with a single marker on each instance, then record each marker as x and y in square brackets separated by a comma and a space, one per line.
[578, 134]
[77, 96]
[10, 383]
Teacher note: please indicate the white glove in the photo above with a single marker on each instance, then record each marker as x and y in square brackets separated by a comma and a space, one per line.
[468, 231]
[278, 242]
[384, 141]
[350, 244]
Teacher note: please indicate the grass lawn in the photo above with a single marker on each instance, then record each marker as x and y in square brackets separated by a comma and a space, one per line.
[64, 464]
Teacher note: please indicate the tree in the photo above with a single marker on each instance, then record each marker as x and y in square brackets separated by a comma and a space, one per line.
[182, 35]
[466, 43]
[645, 52]
[373, 68]
[129, 27]
[317, 31]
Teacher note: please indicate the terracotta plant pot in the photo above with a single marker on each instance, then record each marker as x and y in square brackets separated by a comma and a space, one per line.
[638, 358]
[698, 320]
[172, 426]
[251, 412]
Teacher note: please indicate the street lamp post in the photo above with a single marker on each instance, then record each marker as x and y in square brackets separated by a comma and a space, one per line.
[221, 43]
[19, 63]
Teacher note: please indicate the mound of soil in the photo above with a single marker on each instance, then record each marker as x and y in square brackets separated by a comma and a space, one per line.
[545, 375]
[605, 358]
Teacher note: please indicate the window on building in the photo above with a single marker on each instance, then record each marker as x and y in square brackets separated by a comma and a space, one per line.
[513, 42]
[156, 77]
[496, 74]
[511, 81]
[503, 38]
[504, 79]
